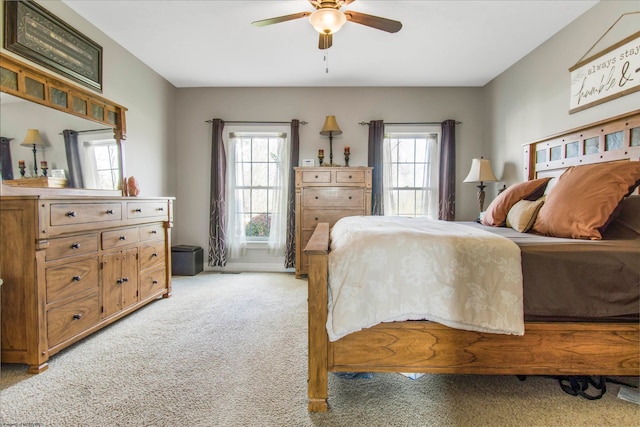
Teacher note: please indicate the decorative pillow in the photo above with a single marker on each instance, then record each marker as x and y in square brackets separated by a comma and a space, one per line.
[523, 214]
[586, 198]
[496, 213]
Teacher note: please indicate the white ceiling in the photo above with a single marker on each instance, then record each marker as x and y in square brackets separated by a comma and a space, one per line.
[442, 43]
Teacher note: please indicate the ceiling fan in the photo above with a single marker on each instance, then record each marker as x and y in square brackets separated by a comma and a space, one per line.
[328, 19]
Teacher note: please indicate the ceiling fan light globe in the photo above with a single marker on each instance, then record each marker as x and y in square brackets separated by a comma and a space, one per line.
[327, 21]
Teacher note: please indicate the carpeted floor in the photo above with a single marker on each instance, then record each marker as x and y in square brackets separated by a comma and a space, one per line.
[230, 350]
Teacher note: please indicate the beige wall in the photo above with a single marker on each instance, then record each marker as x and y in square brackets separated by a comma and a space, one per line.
[531, 99]
[150, 145]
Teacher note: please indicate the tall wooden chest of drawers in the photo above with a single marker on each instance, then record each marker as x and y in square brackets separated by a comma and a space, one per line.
[326, 194]
[72, 265]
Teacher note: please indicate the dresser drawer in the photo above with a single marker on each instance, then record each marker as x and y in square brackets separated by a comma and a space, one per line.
[71, 246]
[316, 177]
[311, 217]
[152, 282]
[68, 320]
[333, 197]
[147, 210]
[117, 238]
[151, 232]
[152, 254]
[82, 213]
[66, 281]
[356, 177]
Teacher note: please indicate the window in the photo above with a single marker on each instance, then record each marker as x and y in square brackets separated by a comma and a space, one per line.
[100, 165]
[411, 173]
[257, 188]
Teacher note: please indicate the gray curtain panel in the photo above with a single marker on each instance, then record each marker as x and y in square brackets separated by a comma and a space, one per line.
[5, 158]
[447, 178]
[73, 158]
[376, 138]
[217, 212]
[290, 256]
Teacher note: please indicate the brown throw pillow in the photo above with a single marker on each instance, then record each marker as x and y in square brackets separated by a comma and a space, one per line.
[585, 199]
[496, 213]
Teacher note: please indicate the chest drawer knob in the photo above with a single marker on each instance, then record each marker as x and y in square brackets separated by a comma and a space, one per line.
[125, 279]
[316, 197]
[154, 254]
[77, 316]
[155, 282]
[154, 232]
[75, 246]
[350, 197]
[76, 278]
[109, 211]
[161, 209]
[123, 237]
[350, 177]
[138, 210]
[119, 281]
[316, 218]
[71, 214]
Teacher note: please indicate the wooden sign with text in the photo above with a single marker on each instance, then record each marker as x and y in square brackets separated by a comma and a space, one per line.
[610, 74]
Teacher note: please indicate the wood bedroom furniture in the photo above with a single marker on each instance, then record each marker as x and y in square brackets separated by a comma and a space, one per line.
[326, 194]
[73, 265]
[547, 348]
[73, 261]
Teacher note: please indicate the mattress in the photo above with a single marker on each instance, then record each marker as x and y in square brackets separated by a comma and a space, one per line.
[572, 279]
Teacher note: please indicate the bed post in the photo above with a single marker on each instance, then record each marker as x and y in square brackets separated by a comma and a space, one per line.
[317, 251]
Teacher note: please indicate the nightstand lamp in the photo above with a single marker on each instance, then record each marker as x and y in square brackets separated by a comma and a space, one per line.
[480, 172]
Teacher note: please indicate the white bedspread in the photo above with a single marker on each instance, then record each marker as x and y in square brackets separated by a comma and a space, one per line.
[384, 269]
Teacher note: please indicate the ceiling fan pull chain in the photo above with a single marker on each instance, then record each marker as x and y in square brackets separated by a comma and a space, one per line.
[326, 60]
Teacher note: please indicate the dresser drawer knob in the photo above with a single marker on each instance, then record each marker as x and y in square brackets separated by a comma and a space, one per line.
[109, 211]
[316, 218]
[76, 278]
[316, 176]
[154, 254]
[119, 281]
[77, 316]
[138, 210]
[154, 282]
[316, 197]
[123, 237]
[350, 197]
[125, 279]
[160, 209]
[350, 177]
[75, 246]
[70, 213]
[154, 231]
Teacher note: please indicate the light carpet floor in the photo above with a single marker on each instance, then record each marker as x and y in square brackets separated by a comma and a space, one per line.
[230, 350]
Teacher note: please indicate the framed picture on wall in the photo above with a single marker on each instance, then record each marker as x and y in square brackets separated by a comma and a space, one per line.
[36, 34]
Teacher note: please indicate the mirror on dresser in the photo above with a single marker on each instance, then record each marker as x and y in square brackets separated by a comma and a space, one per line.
[93, 152]
[79, 134]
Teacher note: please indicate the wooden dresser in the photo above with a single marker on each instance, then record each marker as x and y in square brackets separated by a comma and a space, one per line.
[72, 265]
[326, 194]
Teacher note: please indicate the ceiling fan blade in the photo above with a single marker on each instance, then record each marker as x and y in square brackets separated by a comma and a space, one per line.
[325, 41]
[383, 24]
[279, 19]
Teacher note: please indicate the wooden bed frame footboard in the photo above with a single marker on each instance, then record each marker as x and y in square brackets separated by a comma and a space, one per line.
[611, 349]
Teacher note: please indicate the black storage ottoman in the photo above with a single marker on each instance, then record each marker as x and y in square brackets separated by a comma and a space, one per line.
[186, 260]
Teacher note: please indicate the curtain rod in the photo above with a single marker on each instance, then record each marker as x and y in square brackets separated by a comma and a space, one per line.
[248, 122]
[410, 124]
[91, 130]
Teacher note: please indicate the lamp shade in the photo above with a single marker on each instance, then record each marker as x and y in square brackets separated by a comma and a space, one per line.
[327, 21]
[32, 138]
[480, 171]
[330, 126]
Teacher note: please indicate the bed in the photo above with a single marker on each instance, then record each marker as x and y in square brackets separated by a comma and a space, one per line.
[564, 343]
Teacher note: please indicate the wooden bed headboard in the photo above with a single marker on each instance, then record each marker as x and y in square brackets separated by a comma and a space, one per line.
[616, 138]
